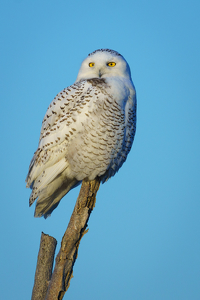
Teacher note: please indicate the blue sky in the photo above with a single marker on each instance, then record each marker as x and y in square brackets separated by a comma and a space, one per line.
[144, 233]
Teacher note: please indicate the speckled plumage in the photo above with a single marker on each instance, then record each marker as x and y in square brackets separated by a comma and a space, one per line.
[88, 131]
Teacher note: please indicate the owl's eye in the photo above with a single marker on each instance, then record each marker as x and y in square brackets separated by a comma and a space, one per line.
[91, 65]
[111, 64]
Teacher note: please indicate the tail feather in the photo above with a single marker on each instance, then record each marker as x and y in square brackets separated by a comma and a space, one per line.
[50, 186]
[50, 196]
[45, 178]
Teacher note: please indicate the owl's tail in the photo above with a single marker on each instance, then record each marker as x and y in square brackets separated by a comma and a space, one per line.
[50, 186]
[50, 196]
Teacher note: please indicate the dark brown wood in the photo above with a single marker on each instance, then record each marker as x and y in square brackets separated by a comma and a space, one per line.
[67, 255]
[44, 266]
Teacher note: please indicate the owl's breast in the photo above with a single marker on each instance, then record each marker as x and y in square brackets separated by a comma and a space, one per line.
[97, 146]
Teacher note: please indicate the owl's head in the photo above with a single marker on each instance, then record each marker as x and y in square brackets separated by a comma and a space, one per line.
[104, 63]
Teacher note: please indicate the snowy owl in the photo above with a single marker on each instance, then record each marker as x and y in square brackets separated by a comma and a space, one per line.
[87, 132]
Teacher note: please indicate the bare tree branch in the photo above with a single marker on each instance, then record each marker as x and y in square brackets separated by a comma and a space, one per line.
[69, 246]
[44, 266]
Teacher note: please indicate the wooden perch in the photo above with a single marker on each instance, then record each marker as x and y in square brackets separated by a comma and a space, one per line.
[70, 242]
[67, 255]
[44, 266]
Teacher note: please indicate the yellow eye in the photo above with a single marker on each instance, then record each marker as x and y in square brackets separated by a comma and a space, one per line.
[111, 64]
[91, 64]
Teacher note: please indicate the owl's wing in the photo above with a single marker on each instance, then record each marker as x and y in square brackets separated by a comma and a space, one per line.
[56, 127]
[60, 107]
[130, 122]
[48, 174]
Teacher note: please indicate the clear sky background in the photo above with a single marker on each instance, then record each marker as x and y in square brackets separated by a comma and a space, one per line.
[144, 233]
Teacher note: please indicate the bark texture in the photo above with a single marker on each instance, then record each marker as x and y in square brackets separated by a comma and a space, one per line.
[44, 266]
[67, 255]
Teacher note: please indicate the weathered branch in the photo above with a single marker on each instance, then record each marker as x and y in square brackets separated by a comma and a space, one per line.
[69, 246]
[44, 266]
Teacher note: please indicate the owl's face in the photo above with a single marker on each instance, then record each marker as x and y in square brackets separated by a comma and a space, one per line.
[104, 63]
